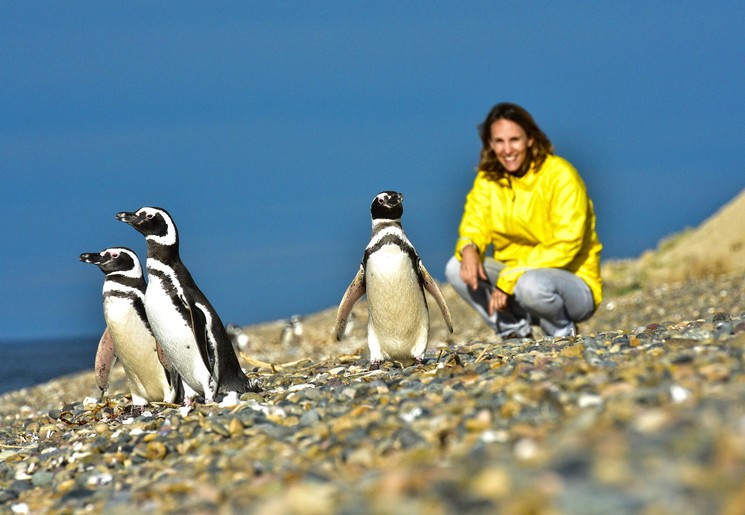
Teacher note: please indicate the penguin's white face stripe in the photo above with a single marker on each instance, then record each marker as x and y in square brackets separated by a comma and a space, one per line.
[168, 271]
[170, 237]
[134, 272]
[382, 197]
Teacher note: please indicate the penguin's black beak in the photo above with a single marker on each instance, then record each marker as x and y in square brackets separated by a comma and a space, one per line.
[93, 258]
[127, 218]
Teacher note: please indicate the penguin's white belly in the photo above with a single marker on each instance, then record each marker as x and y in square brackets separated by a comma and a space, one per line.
[175, 336]
[399, 319]
[136, 350]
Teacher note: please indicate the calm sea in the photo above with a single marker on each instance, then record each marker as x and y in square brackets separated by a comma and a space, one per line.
[31, 362]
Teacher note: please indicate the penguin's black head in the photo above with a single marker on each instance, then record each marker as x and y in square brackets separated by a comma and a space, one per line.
[150, 221]
[387, 205]
[116, 259]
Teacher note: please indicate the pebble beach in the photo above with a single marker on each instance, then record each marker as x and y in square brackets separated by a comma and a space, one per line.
[642, 412]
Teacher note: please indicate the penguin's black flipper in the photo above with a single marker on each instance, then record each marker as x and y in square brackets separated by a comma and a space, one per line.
[431, 286]
[355, 291]
[105, 358]
[199, 328]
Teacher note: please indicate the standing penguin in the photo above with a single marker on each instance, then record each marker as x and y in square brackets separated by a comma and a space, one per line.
[292, 332]
[238, 337]
[394, 279]
[128, 336]
[184, 322]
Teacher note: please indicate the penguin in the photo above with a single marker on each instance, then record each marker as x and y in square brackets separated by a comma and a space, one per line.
[128, 336]
[238, 337]
[394, 279]
[182, 319]
[292, 332]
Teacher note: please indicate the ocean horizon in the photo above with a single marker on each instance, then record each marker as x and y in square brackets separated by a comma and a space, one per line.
[26, 363]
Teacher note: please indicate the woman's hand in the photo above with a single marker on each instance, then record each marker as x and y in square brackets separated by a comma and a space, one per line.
[498, 301]
[471, 268]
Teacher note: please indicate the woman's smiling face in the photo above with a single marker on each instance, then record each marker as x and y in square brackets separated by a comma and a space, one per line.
[510, 144]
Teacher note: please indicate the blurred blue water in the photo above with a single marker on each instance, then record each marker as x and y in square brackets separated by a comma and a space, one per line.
[27, 363]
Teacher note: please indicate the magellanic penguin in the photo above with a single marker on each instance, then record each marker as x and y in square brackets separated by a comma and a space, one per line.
[292, 332]
[238, 337]
[183, 320]
[128, 335]
[394, 279]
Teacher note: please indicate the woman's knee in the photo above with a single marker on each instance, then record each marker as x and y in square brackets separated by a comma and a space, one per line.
[532, 291]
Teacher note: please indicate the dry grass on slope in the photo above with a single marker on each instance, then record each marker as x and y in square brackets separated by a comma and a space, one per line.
[714, 248]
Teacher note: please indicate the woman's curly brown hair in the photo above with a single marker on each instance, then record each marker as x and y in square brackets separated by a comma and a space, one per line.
[537, 152]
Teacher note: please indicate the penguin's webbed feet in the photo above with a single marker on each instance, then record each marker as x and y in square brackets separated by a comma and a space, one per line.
[374, 365]
[135, 410]
[254, 386]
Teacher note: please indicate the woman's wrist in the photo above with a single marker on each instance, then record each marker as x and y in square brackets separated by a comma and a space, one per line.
[471, 245]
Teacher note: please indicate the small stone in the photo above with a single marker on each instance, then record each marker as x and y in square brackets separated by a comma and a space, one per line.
[235, 427]
[678, 394]
[510, 409]
[493, 483]
[480, 422]
[310, 418]
[20, 508]
[101, 428]
[230, 400]
[42, 478]
[155, 451]
[587, 400]
[526, 449]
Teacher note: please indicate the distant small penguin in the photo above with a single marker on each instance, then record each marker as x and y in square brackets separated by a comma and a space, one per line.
[183, 320]
[394, 279]
[239, 338]
[128, 335]
[292, 332]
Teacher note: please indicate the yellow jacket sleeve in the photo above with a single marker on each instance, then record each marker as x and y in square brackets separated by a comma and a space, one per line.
[474, 226]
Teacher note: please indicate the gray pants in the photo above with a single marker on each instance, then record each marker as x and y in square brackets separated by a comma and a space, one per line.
[550, 297]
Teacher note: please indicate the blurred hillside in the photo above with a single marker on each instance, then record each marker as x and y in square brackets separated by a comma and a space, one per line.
[714, 248]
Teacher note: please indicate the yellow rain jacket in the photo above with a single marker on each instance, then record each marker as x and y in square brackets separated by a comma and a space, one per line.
[543, 219]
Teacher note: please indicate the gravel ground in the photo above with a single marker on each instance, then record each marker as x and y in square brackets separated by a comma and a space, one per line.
[642, 412]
